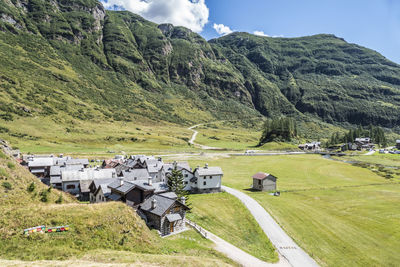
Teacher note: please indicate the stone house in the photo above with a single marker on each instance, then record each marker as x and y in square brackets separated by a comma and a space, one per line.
[398, 144]
[264, 182]
[71, 180]
[96, 193]
[206, 180]
[134, 193]
[164, 212]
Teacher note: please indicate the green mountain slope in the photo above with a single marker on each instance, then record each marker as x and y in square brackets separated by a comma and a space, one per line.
[73, 59]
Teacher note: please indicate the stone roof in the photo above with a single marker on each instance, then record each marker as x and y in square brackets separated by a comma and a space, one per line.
[56, 170]
[135, 174]
[173, 217]
[209, 171]
[84, 185]
[41, 162]
[162, 204]
[55, 179]
[125, 188]
[170, 195]
[88, 174]
[105, 189]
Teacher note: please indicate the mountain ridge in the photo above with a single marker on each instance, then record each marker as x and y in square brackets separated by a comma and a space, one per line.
[87, 62]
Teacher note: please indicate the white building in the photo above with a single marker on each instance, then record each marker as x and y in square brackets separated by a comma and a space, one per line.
[206, 179]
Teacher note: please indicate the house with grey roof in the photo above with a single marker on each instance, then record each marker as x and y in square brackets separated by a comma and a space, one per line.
[134, 193]
[206, 179]
[55, 173]
[71, 180]
[398, 144]
[164, 212]
[40, 167]
[264, 182]
[182, 167]
[135, 174]
[96, 193]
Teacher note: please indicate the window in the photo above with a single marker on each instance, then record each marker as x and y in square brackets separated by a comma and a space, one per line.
[186, 182]
[204, 183]
[210, 177]
[259, 182]
[186, 175]
[71, 186]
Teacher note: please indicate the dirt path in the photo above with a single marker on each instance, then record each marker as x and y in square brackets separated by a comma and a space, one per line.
[194, 135]
[285, 245]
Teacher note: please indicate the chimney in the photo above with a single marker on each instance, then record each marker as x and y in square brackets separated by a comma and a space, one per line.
[121, 181]
[206, 166]
[150, 181]
[183, 200]
[153, 203]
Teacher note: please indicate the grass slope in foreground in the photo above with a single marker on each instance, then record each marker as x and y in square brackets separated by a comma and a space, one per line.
[96, 231]
[225, 216]
[340, 214]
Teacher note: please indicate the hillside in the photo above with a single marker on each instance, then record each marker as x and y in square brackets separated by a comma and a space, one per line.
[102, 233]
[70, 61]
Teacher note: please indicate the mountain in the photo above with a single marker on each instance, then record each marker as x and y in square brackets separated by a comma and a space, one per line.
[73, 59]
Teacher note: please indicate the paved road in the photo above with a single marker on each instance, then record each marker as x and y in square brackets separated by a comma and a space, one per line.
[283, 243]
[236, 254]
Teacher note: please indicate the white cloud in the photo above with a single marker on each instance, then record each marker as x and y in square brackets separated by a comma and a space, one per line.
[222, 29]
[192, 14]
[260, 33]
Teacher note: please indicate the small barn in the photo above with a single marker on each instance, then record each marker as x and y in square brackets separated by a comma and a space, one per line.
[264, 182]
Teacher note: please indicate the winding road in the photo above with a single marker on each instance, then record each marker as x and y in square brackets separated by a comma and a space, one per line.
[191, 141]
[285, 245]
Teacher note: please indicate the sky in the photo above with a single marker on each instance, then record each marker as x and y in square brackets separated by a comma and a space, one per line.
[371, 23]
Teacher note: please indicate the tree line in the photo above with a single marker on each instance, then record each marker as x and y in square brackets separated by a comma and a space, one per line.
[376, 134]
[279, 130]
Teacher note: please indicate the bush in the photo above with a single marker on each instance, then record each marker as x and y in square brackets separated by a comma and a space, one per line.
[43, 196]
[31, 187]
[60, 199]
[11, 165]
[7, 185]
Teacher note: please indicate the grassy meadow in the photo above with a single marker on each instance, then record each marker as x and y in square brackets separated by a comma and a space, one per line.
[337, 212]
[225, 216]
[98, 233]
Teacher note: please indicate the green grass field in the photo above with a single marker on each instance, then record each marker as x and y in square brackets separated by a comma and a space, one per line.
[382, 159]
[226, 217]
[340, 214]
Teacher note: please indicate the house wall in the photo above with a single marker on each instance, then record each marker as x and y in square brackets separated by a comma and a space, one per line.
[186, 179]
[266, 185]
[212, 182]
[100, 197]
[137, 196]
[269, 185]
[74, 191]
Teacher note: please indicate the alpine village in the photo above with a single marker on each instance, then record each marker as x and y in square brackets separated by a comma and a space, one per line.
[132, 136]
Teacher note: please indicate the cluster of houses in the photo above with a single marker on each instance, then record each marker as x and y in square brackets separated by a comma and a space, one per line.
[313, 146]
[139, 181]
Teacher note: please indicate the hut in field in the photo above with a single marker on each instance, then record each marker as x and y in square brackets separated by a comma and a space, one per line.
[264, 182]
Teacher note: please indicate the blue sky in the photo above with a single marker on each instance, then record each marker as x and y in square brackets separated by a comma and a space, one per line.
[371, 23]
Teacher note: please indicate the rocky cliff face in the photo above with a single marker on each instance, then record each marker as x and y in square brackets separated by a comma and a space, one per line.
[109, 54]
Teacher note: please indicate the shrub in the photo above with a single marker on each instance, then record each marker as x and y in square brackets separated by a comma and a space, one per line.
[3, 172]
[7, 185]
[60, 199]
[43, 196]
[31, 187]
[11, 165]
